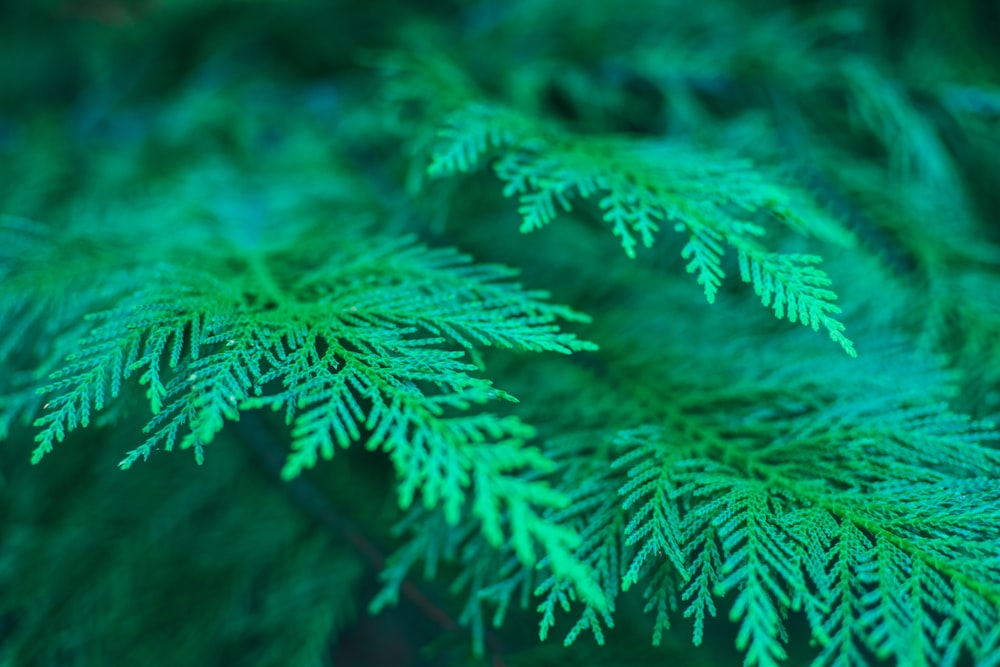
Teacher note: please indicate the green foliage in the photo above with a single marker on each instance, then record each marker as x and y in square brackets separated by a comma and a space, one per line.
[279, 252]
[640, 185]
[848, 510]
[370, 341]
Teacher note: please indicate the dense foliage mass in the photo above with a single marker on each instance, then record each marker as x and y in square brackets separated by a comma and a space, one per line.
[474, 317]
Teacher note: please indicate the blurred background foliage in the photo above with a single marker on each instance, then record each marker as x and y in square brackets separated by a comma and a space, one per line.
[888, 111]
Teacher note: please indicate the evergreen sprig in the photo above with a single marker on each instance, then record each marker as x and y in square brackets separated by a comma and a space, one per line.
[369, 346]
[857, 512]
[712, 198]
